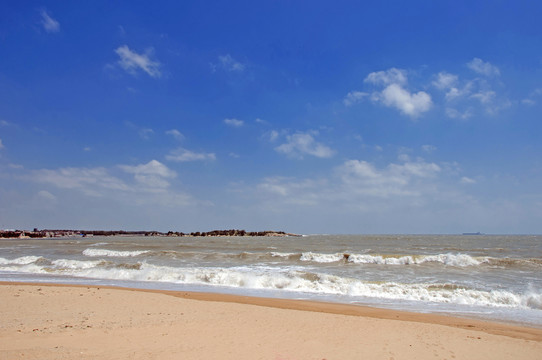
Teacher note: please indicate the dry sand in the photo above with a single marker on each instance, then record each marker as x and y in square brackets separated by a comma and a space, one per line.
[78, 322]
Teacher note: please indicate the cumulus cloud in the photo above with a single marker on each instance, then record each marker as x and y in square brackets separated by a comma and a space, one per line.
[364, 178]
[461, 95]
[234, 122]
[395, 94]
[183, 155]
[388, 77]
[228, 63]
[300, 144]
[354, 97]
[407, 103]
[483, 68]
[49, 24]
[131, 61]
[491, 102]
[445, 81]
[356, 184]
[152, 174]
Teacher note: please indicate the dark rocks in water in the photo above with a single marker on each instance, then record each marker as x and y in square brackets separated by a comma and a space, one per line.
[61, 233]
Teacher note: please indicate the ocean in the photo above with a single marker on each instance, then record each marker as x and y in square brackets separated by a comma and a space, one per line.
[491, 277]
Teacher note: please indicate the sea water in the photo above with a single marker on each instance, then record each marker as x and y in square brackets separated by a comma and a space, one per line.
[492, 277]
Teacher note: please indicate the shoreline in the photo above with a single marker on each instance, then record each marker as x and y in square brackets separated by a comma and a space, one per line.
[53, 321]
[488, 326]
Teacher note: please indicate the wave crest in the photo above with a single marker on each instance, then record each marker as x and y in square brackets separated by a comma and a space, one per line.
[112, 253]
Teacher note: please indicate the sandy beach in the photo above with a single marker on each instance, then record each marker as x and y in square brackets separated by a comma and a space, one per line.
[42, 321]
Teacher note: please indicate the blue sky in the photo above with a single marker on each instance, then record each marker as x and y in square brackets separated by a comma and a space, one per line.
[309, 117]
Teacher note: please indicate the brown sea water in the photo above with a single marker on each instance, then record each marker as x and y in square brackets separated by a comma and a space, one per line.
[488, 276]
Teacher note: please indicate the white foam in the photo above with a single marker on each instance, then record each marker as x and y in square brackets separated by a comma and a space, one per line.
[459, 260]
[532, 300]
[321, 258]
[112, 253]
[23, 260]
[281, 255]
[297, 281]
[75, 264]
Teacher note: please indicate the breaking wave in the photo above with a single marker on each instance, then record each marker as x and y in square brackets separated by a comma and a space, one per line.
[269, 278]
[112, 253]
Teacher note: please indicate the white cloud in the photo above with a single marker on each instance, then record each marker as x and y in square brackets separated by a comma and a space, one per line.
[364, 178]
[49, 24]
[355, 185]
[456, 114]
[531, 99]
[483, 68]
[1, 145]
[467, 180]
[46, 196]
[98, 182]
[176, 134]
[131, 61]
[300, 144]
[445, 80]
[304, 192]
[182, 155]
[428, 148]
[490, 101]
[456, 93]
[153, 174]
[234, 122]
[261, 121]
[407, 103]
[228, 63]
[395, 95]
[91, 181]
[485, 97]
[354, 97]
[153, 167]
[388, 77]
[273, 135]
[145, 133]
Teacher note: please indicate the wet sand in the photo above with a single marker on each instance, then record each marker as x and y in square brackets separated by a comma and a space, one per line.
[42, 321]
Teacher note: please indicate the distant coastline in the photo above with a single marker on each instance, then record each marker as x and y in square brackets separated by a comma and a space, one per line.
[47, 233]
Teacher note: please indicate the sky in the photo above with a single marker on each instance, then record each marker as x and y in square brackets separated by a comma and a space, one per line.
[309, 117]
